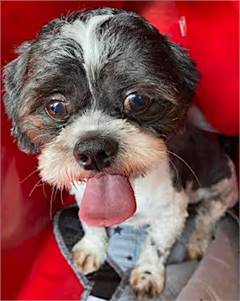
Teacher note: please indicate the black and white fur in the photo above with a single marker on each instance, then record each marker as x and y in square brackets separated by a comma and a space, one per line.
[92, 59]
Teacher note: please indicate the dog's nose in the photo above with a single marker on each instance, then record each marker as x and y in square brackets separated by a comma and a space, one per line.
[95, 153]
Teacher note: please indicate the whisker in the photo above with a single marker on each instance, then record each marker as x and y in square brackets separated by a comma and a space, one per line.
[176, 170]
[51, 202]
[29, 175]
[61, 195]
[44, 191]
[34, 187]
[189, 167]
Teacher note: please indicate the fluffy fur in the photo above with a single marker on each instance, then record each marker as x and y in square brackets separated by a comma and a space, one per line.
[91, 61]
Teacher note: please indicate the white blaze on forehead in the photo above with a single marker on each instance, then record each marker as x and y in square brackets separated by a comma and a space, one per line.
[85, 34]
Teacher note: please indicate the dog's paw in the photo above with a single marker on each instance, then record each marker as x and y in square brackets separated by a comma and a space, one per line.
[88, 256]
[197, 246]
[147, 281]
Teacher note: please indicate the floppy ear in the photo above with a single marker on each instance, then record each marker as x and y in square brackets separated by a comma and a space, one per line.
[188, 72]
[14, 74]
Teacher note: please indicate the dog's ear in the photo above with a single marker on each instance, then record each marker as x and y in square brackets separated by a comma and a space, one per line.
[14, 75]
[186, 67]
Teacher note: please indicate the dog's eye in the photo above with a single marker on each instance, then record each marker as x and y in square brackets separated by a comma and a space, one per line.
[136, 102]
[57, 109]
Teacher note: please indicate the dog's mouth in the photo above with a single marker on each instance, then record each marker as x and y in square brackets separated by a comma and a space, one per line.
[108, 200]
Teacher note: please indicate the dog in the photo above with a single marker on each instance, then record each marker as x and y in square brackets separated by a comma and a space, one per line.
[101, 94]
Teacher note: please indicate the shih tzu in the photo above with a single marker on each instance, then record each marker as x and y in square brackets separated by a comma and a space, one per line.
[102, 97]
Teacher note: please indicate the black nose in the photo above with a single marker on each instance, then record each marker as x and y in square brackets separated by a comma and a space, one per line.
[95, 153]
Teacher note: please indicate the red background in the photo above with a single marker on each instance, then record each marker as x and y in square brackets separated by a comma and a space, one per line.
[32, 266]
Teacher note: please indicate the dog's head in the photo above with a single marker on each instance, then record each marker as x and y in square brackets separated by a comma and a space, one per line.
[98, 90]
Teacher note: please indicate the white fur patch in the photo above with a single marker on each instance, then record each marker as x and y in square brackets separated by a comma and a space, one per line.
[156, 198]
[85, 35]
[93, 48]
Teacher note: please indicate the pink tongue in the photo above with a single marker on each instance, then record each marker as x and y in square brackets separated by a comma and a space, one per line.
[107, 200]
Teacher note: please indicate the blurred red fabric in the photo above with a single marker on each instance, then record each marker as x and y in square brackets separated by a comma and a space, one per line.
[32, 266]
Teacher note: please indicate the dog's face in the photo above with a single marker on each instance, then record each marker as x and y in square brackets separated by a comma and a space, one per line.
[98, 91]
